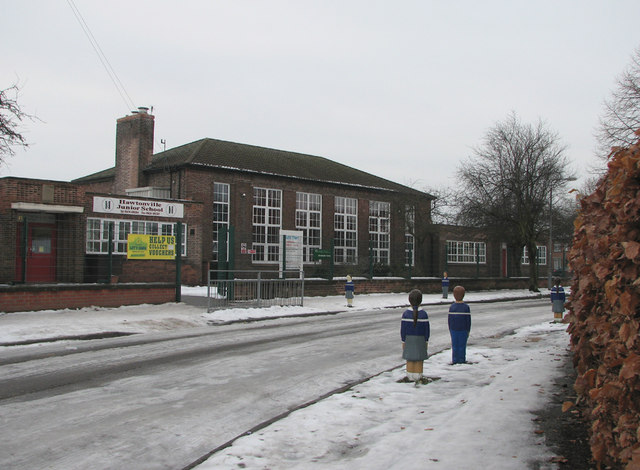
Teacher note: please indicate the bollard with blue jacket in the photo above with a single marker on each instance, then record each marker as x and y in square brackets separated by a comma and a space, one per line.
[558, 299]
[415, 332]
[349, 289]
[459, 326]
[445, 285]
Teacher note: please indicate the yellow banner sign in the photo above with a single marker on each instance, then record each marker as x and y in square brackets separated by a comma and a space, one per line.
[151, 246]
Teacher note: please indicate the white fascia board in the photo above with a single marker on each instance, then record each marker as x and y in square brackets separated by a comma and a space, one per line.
[54, 208]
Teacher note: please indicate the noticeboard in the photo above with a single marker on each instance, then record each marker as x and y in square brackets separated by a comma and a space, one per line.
[292, 241]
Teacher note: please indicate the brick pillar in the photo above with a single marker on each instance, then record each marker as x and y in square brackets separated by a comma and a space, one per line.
[134, 149]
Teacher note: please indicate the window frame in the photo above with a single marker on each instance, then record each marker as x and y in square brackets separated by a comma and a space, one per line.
[345, 228]
[409, 236]
[380, 231]
[221, 209]
[308, 219]
[266, 221]
[542, 258]
[464, 252]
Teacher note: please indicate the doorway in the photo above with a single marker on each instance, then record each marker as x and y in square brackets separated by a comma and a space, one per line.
[36, 253]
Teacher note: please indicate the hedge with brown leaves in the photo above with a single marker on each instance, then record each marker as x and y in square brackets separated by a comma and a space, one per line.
[603, 312]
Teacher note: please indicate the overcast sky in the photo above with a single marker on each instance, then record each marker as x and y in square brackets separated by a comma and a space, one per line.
[400, 89]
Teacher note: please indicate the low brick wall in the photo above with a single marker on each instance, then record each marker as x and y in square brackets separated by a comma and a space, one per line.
[30, 297]
[321, 287]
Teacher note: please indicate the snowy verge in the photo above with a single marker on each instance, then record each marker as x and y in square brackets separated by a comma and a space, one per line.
[52, 324]
[476, 415]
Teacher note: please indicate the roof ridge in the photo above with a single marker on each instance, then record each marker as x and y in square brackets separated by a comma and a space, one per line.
[265, 148]
[294, 153]
[236, 156]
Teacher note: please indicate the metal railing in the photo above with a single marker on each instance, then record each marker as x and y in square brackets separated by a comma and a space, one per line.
[233, 289]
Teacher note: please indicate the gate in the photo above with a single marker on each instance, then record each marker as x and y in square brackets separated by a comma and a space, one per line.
[233, 289]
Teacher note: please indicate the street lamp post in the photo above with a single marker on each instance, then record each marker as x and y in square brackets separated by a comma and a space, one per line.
[550, 254]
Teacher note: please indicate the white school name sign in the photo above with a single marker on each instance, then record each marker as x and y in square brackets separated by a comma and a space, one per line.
[118, 205]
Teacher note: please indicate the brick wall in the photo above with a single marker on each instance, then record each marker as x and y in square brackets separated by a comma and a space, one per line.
[316, 287]
[68, 226]
[104, 186]
[26, 298]
[70, 248]
[53, 297]
[197, 184]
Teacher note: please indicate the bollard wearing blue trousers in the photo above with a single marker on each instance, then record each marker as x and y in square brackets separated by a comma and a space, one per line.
[459, 346]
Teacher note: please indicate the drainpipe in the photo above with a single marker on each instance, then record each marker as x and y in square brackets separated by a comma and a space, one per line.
[25, 249]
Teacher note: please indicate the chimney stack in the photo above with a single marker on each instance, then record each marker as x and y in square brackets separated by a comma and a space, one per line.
[134, 149]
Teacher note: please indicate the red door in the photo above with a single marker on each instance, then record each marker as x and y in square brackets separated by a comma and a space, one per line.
[41, 253]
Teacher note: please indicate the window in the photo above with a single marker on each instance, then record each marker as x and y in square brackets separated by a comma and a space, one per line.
[220, 216]
[409, 250]
[171, 230]
[409, 238]
[466, 252]
[267, 211]
[557, 247]
[309, 221]
[98, 234]
[379, 226]
[345, 226]
[41, 240]
[557, 264]
[542, 255]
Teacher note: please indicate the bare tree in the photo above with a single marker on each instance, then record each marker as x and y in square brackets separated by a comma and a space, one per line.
[443, 207]
[621, 117]
[10, 117]
[507, 183]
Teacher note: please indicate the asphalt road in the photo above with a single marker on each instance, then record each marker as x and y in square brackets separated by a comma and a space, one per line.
[159, 401]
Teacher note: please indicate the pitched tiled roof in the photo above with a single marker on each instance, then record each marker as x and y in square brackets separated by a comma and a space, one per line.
[221, 154]
[101, 175]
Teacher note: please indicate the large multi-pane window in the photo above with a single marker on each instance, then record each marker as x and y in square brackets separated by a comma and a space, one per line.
[409, 237]
[267, 220]
[98, 234]
[379, 225]
[220, 215]
[345, 226]
[542, 255]
[309, 221]
[466, 252]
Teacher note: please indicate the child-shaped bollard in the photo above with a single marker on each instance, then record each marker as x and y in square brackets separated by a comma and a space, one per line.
[445, 285]
[415, 332]
[349, 288]
[459, 326]
[558, 299]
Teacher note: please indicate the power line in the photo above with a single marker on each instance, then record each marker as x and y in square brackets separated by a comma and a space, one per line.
[103, 58]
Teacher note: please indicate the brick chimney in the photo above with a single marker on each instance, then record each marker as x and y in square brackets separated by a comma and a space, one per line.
[134, 148]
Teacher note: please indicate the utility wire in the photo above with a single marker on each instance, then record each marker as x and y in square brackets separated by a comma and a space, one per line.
[103, 58]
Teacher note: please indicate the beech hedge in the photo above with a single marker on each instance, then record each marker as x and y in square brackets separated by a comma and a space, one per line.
[603, 315]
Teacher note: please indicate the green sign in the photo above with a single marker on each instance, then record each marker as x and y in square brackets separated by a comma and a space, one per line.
[321, 254]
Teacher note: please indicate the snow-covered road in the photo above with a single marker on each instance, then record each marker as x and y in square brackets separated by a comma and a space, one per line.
[162, 401]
